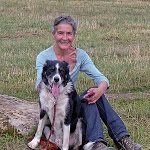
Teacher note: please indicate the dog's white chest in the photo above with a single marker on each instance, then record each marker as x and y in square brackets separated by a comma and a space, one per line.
[47, 103]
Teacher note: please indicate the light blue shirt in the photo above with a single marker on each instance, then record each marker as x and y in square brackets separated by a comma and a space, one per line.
[83, 63]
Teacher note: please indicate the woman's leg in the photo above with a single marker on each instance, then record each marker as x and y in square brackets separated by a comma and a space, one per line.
[94, 129]
[116, 127]
[93, 124]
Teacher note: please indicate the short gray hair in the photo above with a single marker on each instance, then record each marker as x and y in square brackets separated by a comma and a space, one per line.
[65, 20]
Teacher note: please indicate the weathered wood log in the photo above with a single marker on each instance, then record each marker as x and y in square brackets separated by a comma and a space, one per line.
[20, 114]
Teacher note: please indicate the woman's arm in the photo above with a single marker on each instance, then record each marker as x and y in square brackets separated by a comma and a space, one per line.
[93, 94]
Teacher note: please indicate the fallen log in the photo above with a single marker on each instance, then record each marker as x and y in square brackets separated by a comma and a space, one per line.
[20, 114]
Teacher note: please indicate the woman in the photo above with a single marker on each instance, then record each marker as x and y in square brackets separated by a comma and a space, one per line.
[96, 106]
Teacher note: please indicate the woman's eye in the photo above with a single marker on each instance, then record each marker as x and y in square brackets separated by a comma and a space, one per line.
[69, 33]
[59, 33]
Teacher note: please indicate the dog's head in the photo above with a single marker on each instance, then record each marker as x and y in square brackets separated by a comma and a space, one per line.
[55, 73]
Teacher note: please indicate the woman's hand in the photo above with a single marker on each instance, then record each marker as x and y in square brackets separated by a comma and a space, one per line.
[93, 94]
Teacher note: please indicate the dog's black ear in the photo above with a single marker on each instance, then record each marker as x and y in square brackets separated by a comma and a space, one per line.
[67, 65]
[44, 67]
[67, 76]
[44, 78]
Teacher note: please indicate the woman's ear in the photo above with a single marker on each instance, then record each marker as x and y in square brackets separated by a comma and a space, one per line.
[53, 34]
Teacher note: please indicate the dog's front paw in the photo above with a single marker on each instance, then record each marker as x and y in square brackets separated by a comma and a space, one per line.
[33, 144]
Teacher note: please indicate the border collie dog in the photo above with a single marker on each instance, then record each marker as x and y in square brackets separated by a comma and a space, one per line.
[57, 88]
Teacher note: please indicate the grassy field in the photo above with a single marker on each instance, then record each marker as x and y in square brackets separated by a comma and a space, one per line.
[115, 33]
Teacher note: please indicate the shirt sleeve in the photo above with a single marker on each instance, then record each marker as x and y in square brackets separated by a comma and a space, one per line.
[90, 69]
[40, 60]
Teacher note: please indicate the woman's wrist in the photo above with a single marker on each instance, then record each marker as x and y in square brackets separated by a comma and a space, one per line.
[103, 87]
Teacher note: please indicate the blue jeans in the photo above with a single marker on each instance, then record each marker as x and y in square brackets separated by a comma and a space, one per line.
[102, 110]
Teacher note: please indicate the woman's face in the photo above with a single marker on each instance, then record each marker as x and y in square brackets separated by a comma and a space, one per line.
[63, 36]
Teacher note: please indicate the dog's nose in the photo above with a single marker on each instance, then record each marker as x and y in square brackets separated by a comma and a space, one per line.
[56, 79]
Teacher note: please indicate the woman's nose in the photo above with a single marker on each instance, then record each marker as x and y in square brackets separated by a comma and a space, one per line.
[65, 36]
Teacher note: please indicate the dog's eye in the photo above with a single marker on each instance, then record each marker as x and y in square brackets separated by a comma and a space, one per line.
[61, 70]
[51, 70]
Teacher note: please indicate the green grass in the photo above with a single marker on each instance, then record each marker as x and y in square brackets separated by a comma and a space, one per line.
[114, 33]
